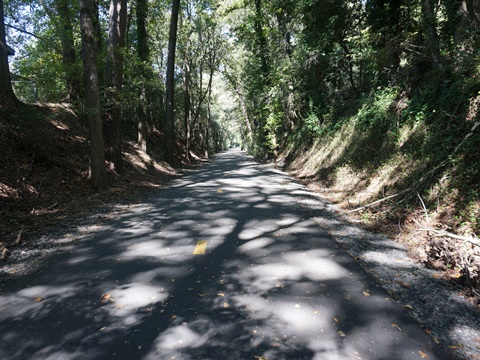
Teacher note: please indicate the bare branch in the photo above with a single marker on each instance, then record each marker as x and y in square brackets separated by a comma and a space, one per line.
[470, 240]
[25, 32]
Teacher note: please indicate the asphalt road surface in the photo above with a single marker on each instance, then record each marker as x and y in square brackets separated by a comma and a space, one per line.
[223, 264]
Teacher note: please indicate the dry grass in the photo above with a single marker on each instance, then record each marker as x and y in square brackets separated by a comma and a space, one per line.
[325, 169]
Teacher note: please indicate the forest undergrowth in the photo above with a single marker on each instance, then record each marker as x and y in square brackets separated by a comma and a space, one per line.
[404, 162]
[44, 172]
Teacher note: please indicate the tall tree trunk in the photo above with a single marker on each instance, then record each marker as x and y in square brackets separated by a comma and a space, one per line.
[186, 103]
[113, 83]
[209, 116]
[261, 38]
[144, 121]
[7, 96]
[98, 33]
[68, 50]
[170, 109]
[97, 169]
[348, 58]
[431, 37]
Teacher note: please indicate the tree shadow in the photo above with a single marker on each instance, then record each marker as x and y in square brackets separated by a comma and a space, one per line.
[270, 284]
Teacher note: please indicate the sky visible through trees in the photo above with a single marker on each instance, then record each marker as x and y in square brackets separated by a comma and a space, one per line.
[376, 102]
[271, 76]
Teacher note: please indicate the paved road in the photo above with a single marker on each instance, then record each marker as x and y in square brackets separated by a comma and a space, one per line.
[223, 264]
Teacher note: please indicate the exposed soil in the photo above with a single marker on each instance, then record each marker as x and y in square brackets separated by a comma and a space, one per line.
[44, 185]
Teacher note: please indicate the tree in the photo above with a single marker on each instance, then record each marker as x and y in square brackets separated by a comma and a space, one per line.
[68, 50]
[7, 96]
[97, 169]
[113, 82]
[432, 45]
[170, 109]
[143, 52]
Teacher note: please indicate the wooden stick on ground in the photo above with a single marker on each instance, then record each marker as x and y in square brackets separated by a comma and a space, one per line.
[376, 202]
[19, 237]
[470, 240]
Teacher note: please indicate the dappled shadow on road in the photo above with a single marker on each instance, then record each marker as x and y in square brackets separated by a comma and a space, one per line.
[271, 283]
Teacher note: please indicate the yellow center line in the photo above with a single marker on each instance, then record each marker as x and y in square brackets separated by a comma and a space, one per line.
[200, 247]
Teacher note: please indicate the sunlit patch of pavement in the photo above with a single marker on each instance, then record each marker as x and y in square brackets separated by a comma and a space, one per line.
[270, 283]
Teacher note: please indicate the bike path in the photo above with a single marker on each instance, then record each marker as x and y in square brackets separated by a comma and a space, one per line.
[222, 264]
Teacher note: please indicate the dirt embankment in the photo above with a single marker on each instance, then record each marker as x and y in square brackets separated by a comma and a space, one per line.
[44, 173]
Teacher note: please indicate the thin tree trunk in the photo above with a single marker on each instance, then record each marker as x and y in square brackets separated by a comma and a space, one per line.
[113, 83]
[68, 50]
[144, 122]
[431, 36]
[209, 118]
[170, 108]
[97, 157]
[186, 103]
[7, 96]
[261, 38]
[98, 33]
[348, 58]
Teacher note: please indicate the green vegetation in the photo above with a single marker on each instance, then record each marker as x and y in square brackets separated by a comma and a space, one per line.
[375, 100]
[384, 90]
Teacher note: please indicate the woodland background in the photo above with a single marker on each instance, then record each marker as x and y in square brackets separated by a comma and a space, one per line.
[375, 104]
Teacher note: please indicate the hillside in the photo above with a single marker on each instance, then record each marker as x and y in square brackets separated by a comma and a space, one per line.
[405, 164]
[44, 172]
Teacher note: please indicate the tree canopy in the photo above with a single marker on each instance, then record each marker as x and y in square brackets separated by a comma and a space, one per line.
[271, 75]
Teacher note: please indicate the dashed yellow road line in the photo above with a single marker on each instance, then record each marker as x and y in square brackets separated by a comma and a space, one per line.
[200, 247]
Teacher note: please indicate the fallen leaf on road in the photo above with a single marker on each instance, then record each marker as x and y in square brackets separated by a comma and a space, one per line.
[174, 316]
[201, 295]
[408, 307]
[103, 328]
[423, 355]
[341, 333]
[220, 294]
[335, 319]
[38, 299]
[366, 293]
[396, 326]
[260, 357]
[225, 305]
[120, 306]
[106, 297]
[219, 190]
[455, 347]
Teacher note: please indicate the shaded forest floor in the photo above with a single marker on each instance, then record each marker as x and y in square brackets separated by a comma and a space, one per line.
[44, 173]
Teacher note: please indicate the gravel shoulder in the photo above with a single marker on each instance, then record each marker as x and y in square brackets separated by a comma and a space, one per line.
[439, 307]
